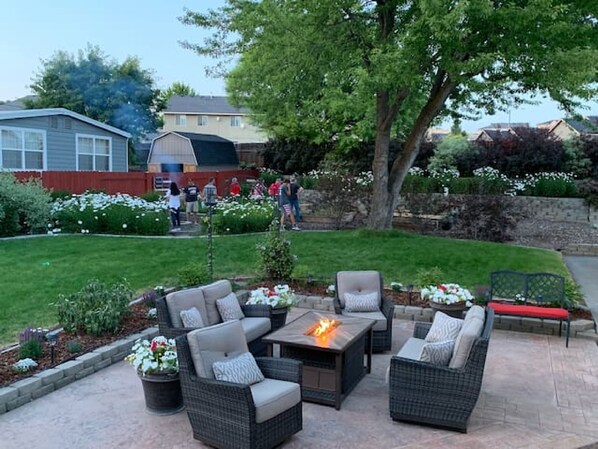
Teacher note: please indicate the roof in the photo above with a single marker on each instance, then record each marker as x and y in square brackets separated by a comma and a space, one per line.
[589, 125]
[202, 105]
[27, 113]
[209, 149]
[17, 104]
[507, 125]
[498, 135]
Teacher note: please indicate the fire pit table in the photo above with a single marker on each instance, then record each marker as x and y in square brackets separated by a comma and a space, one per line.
[333, 361]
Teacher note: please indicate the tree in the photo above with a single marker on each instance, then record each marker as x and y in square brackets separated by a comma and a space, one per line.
[122, 95]
[179, 89]
[352, 70]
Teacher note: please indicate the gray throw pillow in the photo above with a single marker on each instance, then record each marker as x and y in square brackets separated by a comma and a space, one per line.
[240, 370]
[192, 318]
[229, 308]
[361, 302]
[438, 353]
[444, 328]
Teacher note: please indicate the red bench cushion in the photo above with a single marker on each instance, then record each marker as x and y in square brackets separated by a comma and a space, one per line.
[532, 311]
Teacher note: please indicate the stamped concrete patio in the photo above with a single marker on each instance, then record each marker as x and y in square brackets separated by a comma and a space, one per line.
[536, 394]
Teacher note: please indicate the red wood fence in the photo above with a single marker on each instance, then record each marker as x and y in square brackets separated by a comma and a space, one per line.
[133, 183]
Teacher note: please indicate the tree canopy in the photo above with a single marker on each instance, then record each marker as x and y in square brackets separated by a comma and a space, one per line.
[177, 88]
[119, 94]
[354, 70]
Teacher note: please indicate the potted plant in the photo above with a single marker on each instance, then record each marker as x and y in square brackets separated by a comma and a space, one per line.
[281, 298]
[451, 299]
[157, 366]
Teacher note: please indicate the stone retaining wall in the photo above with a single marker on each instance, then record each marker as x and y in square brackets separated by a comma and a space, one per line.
[44, 382]
[581, 249]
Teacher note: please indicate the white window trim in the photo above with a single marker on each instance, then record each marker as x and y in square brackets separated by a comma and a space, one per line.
[44, 151]
[200, 120]
[183, 120]
[235, 118]
[94, 137]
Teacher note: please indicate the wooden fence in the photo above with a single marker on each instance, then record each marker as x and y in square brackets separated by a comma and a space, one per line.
[133, 183]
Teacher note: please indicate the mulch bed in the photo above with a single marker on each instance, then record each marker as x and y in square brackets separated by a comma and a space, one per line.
[135, 322]
[399, 298]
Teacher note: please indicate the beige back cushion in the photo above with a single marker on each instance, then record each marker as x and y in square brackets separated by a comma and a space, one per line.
[216, 343]
[472, 328]
[213, 292]
[184, 300]
[357, 282]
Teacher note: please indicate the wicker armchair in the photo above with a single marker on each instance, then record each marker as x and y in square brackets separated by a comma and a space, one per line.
[224, 414]
[171, 326]
[438, 396]
[364, 282]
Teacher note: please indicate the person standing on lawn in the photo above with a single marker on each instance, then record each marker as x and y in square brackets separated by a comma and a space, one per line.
[173, 195]
[285, 205]
[274, 188]
[235, 188]
[296, 189]
[209, 194]
[192, 201]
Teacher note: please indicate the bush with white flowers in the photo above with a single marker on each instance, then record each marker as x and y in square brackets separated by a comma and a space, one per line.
[24, 365]
[100, 213]
[154, 357]
[447, 294]
[243, 215]
[279, 296]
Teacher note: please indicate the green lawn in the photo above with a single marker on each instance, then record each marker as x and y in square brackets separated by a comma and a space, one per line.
[34, 271]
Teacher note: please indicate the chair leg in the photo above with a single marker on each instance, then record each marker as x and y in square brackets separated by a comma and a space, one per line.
[560, 328]
[568, 329]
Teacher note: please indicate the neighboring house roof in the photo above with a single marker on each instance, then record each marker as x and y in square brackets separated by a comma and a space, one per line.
[209, 149]
[498, 135]
[202, 105]
[17, 104]
[27, 113]
[587, 126]
[506, 125]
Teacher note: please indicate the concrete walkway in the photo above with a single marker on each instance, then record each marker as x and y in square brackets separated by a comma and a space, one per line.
[535, 394]
[585, 273]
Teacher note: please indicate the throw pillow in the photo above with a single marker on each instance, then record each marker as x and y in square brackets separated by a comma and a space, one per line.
[240, 370]
[444, 328]
[438, 353]
[192, 318]
[361, 302]
[229, 308]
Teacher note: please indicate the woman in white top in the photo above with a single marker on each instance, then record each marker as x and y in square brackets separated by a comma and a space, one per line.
[174, 205]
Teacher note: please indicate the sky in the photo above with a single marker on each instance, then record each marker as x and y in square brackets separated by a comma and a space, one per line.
[149, 29]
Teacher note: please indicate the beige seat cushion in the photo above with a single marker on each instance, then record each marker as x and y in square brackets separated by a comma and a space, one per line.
[255, 327]
[377, 316]
[185, 300]
[213, 292]
[472, 328]
[412, 349]
[216, 343]
[357, 282]
[272, 397]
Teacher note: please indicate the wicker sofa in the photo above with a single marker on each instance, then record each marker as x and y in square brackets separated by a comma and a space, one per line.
[233, 415]
[440, 396]
[364, 282]
[256, 324]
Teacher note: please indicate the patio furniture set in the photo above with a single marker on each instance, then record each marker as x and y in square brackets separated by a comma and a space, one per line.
[238, 395]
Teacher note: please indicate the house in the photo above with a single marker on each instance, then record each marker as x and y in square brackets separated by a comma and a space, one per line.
[176, 151]
[436, 135]
[495, 136]
[211, 115]
[568, 128]
[60, 140]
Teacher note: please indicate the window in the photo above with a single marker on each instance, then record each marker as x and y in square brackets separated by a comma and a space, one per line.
[93, 153]
[202, 120]
[235, 121]
[180, 120]
[22, 149]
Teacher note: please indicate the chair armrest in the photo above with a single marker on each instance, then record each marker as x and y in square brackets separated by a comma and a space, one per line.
[281, 369]
[257, 310]
[421, 330]
[388, 308]
[337, 305]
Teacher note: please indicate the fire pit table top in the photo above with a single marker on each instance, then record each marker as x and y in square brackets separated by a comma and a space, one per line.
[336, 340]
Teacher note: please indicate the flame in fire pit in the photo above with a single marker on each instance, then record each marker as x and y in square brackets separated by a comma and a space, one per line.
[323, 327]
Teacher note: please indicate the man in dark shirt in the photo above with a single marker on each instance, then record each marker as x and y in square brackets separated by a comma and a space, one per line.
[296, 189]
[191, 199]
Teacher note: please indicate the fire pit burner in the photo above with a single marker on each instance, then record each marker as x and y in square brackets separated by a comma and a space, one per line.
[323, 327]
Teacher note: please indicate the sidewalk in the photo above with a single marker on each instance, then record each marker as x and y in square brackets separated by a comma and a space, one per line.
[535, 394]
[585, 273]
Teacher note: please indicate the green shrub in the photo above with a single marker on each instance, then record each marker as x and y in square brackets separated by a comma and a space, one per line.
[425, 277]
[554, 188]
[573, 292]
[308, 182]
[24, 206]
[60, 194]
[74, 346]
[152, 197]
[589, 189]
[31, 349]
[193, 274]
[274, 255]
[243, 216]
[96, 308]
[269, 176]
[421, 184]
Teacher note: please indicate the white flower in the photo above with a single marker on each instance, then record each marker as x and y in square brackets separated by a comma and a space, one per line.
[79, 222]
[157, 356]
[24, 365]
[447, 294]
[50, 233]
[124, 226]
[279, 296]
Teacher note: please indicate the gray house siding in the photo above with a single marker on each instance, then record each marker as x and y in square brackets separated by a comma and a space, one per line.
[61, 149]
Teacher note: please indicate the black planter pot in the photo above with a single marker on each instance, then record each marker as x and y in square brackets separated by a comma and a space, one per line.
[162, 393]
[279, 317]
[454, 310]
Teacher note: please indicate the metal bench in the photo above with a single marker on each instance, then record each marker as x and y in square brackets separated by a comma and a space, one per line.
[530, 295]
